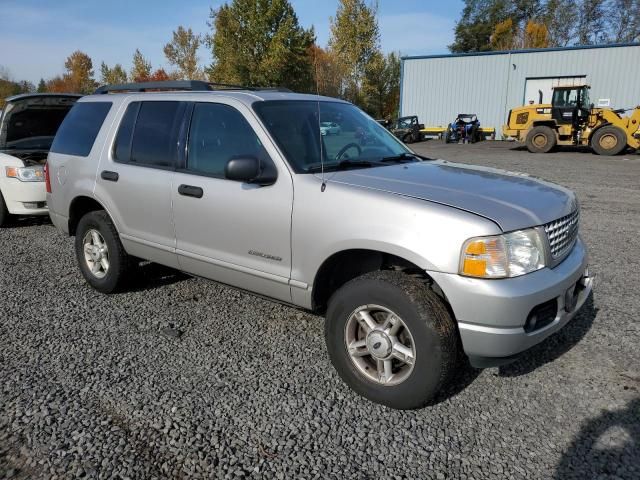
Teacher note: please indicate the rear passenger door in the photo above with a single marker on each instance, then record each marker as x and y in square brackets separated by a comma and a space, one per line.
[232, 232]
[135, 178]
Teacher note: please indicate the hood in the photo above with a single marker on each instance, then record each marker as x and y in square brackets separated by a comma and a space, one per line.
[29, 122]
[512, 200]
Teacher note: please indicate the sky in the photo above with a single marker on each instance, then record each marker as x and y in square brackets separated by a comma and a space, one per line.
[36, 36]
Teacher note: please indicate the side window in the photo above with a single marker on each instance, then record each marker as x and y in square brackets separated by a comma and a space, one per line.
[79, 129]
[122, 145]
[219, 133]
[155, 133]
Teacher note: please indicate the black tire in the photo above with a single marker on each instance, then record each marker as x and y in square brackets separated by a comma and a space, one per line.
[447, 136]
[541, 139]
[120, 262]
[432, 329]
[609, 140]
[5, 216]
[407, 138]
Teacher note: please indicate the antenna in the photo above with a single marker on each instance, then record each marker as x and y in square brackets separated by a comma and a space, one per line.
[315, 64]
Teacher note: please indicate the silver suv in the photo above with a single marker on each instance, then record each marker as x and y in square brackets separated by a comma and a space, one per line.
[413, 261]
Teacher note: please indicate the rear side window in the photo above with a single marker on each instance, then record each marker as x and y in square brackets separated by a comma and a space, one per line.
[79, 130]
[219, 133]
[155, 135]
[122, 146]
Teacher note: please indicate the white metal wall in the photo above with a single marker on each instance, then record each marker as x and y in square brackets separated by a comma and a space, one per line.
[438, 88]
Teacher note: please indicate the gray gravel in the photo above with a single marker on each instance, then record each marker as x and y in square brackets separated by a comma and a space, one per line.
[90, 385]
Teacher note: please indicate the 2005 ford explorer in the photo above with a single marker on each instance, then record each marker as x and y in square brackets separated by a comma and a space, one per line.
[414, 262]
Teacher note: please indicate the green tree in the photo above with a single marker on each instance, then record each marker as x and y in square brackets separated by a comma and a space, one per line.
[260, 42]
[42, 86]
[141, 69]
[112, 76]
[182, 52]
[381, 86]
[355, 43]
[79, 73]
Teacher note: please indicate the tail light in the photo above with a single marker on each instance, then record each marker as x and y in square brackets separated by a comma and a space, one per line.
[47, 178]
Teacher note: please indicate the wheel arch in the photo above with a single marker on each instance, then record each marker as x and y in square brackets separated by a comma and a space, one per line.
[79, 207]
[345, 265]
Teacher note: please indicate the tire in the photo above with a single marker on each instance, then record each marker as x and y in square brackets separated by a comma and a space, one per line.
[5, 216]
[541, 139]
[446, 137]
[432, 336]
[609, 140]
[407, 138]
[114, 277]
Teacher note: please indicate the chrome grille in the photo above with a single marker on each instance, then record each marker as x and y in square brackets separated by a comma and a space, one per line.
[562, 233]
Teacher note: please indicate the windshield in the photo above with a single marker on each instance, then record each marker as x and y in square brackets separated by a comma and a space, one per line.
[358, 141]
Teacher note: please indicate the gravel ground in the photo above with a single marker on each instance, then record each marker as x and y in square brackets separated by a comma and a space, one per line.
[90, 386]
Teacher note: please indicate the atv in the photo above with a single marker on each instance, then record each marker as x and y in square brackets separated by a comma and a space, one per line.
[465, 128]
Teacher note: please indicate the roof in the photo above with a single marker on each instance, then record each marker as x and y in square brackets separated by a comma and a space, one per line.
[530, 50]
[24, 96]
[245, 96]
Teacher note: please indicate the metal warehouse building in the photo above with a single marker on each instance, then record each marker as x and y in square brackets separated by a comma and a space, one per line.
[489, 84]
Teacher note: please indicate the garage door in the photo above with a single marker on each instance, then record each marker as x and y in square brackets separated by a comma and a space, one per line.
[537, 87]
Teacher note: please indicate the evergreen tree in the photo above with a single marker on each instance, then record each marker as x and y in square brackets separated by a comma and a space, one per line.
[112, 76]
[260, 42]
[42, 86]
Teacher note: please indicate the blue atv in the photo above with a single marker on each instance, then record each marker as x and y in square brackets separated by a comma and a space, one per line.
[465, 129]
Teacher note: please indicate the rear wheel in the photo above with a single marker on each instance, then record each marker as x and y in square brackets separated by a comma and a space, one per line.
[100, 254]
[5, 216]
[609, 140]
[391, 339]
[541, 139]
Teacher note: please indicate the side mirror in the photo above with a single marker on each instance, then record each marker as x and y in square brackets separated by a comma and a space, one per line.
[248, 170]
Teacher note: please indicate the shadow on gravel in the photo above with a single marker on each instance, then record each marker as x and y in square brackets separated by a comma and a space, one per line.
[151, 276]
[556, 345]
[607, 446]
[464, 377]
[21, 222]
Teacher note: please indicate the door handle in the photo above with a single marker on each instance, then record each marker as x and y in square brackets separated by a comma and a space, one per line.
[109, 176]
[190, 191]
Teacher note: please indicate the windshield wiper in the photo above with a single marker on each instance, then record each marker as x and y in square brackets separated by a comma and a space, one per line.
[342, 165]
[405, 156]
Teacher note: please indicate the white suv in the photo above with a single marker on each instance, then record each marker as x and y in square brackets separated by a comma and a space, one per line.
[28, 124]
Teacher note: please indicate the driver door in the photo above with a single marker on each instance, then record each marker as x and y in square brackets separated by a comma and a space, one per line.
[228, 231]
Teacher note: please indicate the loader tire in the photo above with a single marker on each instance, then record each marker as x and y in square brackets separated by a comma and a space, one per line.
[609, 140]
[541, 139]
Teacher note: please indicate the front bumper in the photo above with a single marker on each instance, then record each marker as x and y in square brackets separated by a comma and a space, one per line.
[24, 198]
[492, 314]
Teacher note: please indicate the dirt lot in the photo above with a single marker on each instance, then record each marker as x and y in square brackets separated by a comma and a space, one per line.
[90, 387]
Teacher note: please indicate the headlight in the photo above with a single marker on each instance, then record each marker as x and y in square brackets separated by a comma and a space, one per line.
[26, 174]
[501, 256]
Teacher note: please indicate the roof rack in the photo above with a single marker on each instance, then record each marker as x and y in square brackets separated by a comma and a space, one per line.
[181, 85]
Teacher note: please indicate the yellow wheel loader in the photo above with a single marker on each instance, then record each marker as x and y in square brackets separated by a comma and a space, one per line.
[572, 120]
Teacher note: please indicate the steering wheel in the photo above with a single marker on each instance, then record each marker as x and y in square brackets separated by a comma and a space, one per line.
[344, 149]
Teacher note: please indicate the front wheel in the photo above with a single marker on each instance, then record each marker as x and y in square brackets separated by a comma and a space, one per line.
[609, 140]
[100, 254]
[541, 139]
[391, 339]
